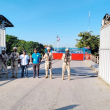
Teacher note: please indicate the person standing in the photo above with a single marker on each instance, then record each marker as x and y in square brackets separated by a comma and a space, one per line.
[14, 62]
[66, 63]
[48, 62]
[36, 60]
[3, 63]
[24, 64]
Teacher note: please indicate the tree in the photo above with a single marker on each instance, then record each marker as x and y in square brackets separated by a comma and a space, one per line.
[88, 40]
[11, 41]
[21, 46]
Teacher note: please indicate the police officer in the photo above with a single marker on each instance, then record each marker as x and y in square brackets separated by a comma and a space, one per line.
[66, 63]
[48, 62]
[3, 63]
[14, 62]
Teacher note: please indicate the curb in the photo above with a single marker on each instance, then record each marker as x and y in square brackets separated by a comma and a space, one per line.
[91, 66]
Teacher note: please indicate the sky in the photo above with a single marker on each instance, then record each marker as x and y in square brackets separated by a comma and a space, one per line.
[42, 20]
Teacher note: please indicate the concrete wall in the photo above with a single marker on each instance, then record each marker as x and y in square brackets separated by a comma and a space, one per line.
[104, 54]
[2, 39]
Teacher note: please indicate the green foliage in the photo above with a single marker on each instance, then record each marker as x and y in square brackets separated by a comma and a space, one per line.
[88, 40]
[12, 41]
[48, 45]
[9, 63]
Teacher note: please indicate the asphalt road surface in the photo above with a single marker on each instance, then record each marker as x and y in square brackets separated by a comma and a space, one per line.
[84, 91]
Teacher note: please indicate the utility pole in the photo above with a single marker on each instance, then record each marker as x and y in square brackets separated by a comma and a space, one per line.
[57, 41]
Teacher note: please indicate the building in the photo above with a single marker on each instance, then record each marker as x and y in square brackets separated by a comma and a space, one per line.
[104, 51]
[106, 19]
[4, 22]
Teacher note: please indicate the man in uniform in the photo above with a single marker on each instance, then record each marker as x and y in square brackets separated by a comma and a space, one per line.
[14, 62]
[3, 63]
[48, 62]
[66, 63]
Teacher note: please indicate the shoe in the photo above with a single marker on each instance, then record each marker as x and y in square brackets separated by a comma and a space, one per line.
[33, 76]
[12, 77]
[46, 76]
[26, 77]
[15, 76]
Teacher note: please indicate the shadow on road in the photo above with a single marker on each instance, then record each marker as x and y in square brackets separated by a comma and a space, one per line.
[85, 72]
[67, 107]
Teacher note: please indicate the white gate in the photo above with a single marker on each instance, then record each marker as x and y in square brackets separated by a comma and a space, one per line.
[104, 53]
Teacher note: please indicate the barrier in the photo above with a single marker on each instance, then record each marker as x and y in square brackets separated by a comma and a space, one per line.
[57, 55]
[76, 53]
[73, 56]
[87, 56]
[77, 56]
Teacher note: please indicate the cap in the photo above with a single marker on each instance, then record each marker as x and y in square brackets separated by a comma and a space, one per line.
[35, 48]
[3, 49]
[15, 48]
[66, 49]
[48, 48]
[24, 51]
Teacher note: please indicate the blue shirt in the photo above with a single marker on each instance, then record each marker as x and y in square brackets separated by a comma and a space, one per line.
[36, 57]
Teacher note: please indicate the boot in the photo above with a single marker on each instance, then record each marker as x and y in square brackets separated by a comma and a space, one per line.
[15, 76]
[12, 75]
[50, 73]
[50, 76]
[0, 75]
[62, 77]
[69, 77]
[7, 75]
[46, 76]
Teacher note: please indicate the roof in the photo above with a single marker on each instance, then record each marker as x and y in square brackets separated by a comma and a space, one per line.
[7, 22]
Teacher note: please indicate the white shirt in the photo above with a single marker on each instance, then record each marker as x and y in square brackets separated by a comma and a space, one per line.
[24, 59]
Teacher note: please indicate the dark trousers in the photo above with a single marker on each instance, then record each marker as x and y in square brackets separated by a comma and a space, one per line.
[35, 66]
[24, 67]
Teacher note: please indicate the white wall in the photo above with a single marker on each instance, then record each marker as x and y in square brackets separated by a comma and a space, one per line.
[104, 54]
[2, 39]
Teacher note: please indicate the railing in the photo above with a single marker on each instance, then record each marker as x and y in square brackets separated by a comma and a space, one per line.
[94, 58]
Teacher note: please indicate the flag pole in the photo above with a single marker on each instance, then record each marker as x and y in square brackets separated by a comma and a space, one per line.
[57, 42]
[89, 23]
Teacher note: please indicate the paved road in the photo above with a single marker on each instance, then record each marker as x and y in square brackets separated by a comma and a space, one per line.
[83, 92]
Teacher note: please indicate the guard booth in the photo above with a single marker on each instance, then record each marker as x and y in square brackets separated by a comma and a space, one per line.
[4, 22]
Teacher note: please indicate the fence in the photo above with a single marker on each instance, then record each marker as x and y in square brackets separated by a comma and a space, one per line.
[104, 66]
[94, 58]
[76, 53]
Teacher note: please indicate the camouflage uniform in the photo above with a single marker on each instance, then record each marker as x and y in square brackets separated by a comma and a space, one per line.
[48, 63]
[14, 63]
[3, 65]
[66, 65]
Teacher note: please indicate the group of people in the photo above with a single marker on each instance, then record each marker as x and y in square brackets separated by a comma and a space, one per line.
[36, 61]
